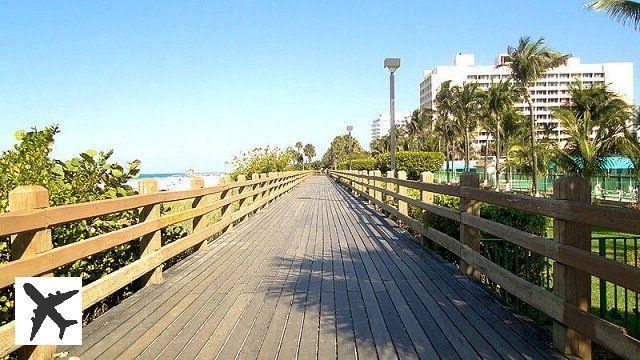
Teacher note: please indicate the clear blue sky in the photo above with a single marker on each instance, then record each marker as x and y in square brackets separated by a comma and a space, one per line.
[188, 84]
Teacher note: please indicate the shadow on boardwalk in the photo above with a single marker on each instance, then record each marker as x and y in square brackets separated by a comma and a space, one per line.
[368, 279]
[317, 274]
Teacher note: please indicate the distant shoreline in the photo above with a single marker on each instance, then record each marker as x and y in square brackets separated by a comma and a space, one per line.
[177, 181]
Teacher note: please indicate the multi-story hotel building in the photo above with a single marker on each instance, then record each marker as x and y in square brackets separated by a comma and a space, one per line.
[547, 93]
[380, 126]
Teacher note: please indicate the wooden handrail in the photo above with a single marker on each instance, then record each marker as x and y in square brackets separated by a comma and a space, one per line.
[29, 220]
[557, 307]
[260, 191]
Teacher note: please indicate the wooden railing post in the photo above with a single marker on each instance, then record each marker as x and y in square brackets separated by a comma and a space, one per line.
[403, 208]
[226, 210]
[271, 174]
[243, 189]
[28, 244]
[265, 183]
[152, 241]
[372, 191]
[196, 223]
[426, 197]
[378, 183]
[390, 186]
[427, 178]
[571, 284]
[256, 196]
[469, 235]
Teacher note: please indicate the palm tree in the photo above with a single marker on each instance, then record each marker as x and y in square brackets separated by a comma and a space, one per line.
[513, 141]
[299, 146]
[501, 97]
[467, 103]
[595, 121]
[309, 151]
[528, 62]
[418, 128]
[623, 11]
[445, 123]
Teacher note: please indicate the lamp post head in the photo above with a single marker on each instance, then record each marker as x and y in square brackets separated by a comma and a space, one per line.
[392, 64]
[349, 128]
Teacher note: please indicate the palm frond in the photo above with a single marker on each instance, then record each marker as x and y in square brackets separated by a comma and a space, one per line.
[623, 11]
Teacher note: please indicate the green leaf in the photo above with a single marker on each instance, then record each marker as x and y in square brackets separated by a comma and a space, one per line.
[19, 135]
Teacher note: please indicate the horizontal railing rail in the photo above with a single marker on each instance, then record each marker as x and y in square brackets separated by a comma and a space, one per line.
[573, 262]
[32, 227]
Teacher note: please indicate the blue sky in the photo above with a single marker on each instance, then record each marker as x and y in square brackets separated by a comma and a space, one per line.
[189, 84]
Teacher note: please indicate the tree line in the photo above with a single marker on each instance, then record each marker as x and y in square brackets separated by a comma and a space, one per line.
[597, 122]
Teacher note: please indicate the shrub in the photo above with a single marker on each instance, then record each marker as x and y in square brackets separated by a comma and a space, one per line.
[316, 165]
[264, 160]
[520, 261]
[364, 163]
[89, 177]
[413, 162]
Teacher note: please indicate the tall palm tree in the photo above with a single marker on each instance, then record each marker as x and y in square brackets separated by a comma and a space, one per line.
[299, 146]
[309, 151]
[467, 103]
[418, 128]
[528, 62]
[623, 11]
[444, 123]
[595, 121]
[513, 141]
[501, 98]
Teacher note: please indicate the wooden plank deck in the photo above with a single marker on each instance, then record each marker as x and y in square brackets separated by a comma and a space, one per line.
[317, 274]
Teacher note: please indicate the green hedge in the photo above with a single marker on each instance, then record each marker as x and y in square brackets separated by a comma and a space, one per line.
[365, 163]
[413, 162]
[518, 260]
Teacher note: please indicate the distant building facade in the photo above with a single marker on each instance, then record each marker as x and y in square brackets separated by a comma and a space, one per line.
[380, 126]
[549, 92]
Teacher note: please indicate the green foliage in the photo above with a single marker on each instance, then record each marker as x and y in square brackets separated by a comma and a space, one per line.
[363, 163]
[89, 177]
[595, 121]
[413, 162]
[520, 261]
[264, 160]
[316, 165]
[339, 150]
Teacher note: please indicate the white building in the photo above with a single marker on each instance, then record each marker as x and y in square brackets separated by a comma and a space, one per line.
[380, 126]
[547, 93]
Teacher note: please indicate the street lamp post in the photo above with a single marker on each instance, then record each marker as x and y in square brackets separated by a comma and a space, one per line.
[392, 64]
[349, 128]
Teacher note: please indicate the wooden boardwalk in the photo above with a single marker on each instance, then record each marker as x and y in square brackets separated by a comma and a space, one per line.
[318, 274]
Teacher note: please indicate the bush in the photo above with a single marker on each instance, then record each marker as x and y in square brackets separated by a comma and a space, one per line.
[365, 163]
[91, 176]
[316, 165]
[413, 162]
[521, 261]
[264, 160]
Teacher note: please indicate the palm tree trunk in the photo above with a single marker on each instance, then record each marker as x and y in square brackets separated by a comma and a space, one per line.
[486, 158]
[534, 156]
[466, 150]
[447, 155]
[638, 188]
[497, 153]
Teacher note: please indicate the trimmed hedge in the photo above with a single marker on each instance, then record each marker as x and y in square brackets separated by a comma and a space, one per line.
[365, 163]
[413, 162]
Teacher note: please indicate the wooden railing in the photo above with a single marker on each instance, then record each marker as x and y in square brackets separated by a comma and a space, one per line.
[30, 221]
[573, 262]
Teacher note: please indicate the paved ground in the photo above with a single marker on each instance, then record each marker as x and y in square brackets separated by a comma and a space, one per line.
[317, 274]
